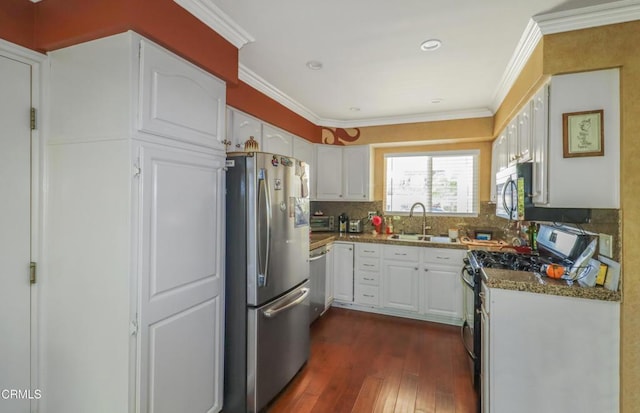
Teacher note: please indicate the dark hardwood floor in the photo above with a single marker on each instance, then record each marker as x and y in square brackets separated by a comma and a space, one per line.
[362, 362]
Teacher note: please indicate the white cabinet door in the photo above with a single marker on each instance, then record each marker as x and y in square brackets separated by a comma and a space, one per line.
[243, 127]
[512, 142]
[179, 100]
[357, 175]
[328, 287]
[181, 283]
[330, 173]
[540, 142]
[276, 141]
[501, 151]
[400, 289]
[343, 272]
[494, 169]
[303, 150]
[524, 153]
[443, 291]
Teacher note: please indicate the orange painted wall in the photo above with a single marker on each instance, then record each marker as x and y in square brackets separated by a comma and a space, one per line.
[17, 22]
[245, 98]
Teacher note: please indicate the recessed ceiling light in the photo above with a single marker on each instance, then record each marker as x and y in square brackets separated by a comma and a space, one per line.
[430, 45]
[437, 100]
[354, 109]
[314, 65]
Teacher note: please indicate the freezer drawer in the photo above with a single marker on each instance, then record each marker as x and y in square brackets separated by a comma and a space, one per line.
[278, 345]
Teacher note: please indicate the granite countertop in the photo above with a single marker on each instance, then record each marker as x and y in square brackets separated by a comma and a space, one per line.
[528, 281]
[319, 239]
[494, 278]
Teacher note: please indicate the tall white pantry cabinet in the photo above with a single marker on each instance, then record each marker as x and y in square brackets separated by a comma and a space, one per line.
[132, 295]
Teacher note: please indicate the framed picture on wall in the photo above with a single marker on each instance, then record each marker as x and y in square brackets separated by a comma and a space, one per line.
[583, 134]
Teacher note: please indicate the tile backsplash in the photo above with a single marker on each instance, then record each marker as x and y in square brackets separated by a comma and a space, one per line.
[602, 221]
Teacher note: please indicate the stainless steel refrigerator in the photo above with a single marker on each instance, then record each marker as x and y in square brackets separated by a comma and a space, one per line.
[267, 277]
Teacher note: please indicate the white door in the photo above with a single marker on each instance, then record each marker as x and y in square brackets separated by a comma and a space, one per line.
[181, 294]
[400, 286]
[443, 292]
[15, 232]
[343, 272]
[329, 167]
[356, 160]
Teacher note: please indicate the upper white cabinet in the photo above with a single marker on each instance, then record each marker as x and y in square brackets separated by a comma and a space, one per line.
[536, 135]
[179, 100]
[593, 181]
[329, 164]
[303, 150]
[276, 141]
[135, 231]
[540, 144]
[346, 173]
[242, 127]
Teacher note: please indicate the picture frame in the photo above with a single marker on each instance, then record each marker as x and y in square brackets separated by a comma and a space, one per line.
[583, 134]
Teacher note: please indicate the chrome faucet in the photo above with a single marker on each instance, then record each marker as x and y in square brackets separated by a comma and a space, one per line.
[424, 216]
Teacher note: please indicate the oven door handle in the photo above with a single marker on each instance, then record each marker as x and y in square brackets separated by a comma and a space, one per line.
[464, 279]
[465, 326]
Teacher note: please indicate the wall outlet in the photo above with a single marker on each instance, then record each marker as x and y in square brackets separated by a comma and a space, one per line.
[605, 246]
[371, 214]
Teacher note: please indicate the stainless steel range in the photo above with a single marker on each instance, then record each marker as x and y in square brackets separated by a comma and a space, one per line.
[565, 247]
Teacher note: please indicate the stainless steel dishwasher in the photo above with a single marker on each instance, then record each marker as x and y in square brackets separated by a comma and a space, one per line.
[317, 275]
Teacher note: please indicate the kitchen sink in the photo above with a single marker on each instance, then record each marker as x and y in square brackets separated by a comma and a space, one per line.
[421, 238]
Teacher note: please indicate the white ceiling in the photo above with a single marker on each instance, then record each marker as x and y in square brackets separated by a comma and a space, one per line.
[370, 50]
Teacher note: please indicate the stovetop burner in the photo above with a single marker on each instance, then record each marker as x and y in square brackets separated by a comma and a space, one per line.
[515, 261]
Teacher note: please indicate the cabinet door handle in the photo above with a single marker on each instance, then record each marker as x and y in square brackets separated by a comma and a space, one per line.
[350, 249]
[426, 270]
[368, 265]
[415, 268]
[368, 295]
[367, 251]
[367, 279]
[401, 254]
[442, 258]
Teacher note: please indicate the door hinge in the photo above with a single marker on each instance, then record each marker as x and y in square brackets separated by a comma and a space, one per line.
[32, 272]
[33, 118]
[133, 327]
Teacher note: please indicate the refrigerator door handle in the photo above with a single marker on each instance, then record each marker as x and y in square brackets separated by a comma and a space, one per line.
[264, 227]
[278, 307]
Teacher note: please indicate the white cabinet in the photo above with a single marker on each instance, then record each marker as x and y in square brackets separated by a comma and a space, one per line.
[540, 143]
[568, 347]
[242, 127]
[442, 295]
[367, 274]
[524, 151]
[593, 181]
[357, 181]
[179, 100]
[135, 233]
[401, 278]
[329, 165]
[328, 287]
[345, 173]
[303, 150]
[343, 272]
[499, 160]
[276, 141]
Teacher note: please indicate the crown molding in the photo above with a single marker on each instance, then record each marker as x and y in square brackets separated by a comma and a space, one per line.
[397, 120]
[20, 53]
[591, 16]
[526, 45]
[252, 79]
[219, 21]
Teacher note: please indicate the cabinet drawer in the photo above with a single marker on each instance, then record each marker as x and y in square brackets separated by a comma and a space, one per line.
[392, 252]
[367, 294]
[443, 256]
[367, 277]
[368, 250]
[368, 264]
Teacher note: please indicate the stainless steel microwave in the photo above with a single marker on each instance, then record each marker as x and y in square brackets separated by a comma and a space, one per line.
[321, 223]
[514, 199]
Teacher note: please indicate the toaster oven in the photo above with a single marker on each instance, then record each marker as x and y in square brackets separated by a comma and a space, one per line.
[321, 223]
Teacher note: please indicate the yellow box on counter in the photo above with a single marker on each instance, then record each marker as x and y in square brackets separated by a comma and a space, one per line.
[602, 274]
